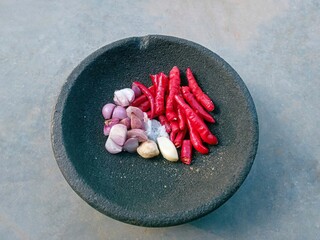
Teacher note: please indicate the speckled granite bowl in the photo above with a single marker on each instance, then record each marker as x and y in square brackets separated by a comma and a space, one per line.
[153, 192]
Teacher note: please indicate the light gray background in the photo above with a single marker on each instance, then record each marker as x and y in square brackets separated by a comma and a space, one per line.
[273, 45]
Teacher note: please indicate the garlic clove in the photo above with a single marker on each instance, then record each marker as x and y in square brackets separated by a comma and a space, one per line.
[136, 90]
[119, 112]
[148, 149]
[167, 149]
[107, 110]
[124, 97]
[108, 125]
[120, 98]
[118, 134]
[112, 147]
[126, 121]
[136, 123]
[137, 133]
[131, 145]
[129, 94]
[137, 111]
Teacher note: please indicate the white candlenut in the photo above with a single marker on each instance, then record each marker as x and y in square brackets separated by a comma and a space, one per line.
[167, 149]
[148, 149]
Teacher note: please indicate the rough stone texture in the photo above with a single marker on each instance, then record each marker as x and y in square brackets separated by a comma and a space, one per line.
[153, 193]
[273, 45]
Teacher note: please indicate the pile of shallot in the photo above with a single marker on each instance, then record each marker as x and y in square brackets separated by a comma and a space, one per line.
[129, 129]
[131, 122]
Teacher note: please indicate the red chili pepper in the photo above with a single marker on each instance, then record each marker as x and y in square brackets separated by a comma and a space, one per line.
[174, 130]
[181, 119]
[147, 92]
[186, 152]
[196, 106]
[198, 93]
[174, 87]
[162, 86]
[172, 136]
[139, 100]
[195, 139]
[155, 80]
[179, 138]
[164, 121]
[174, 126]
[196, 122]
[145, 106]
[152, 90]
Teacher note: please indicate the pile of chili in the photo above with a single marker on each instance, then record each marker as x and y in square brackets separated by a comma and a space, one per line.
[164, 121]
[189, 97]
[174, 89]
[149, 95]
[198, 93]
[183, 111]
[161, 86]
[186, 152]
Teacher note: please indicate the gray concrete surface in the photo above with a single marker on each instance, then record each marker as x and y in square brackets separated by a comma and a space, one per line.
[274, 46]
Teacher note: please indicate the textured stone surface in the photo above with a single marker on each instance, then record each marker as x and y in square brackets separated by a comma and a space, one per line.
[273, 45]
[153, 193]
